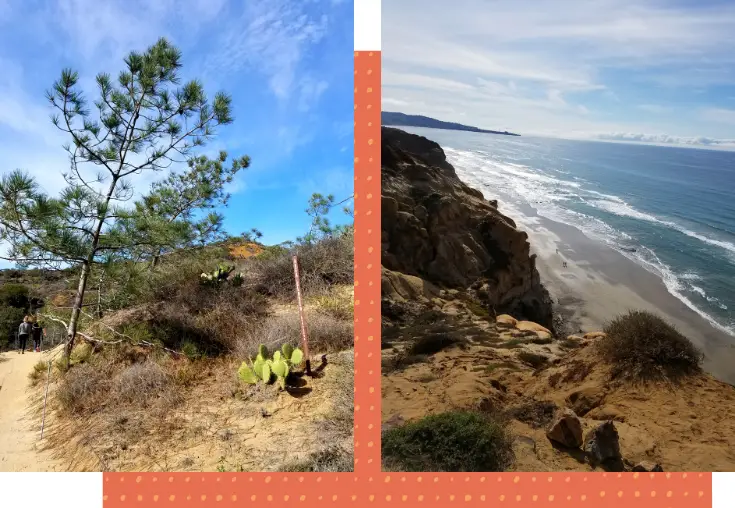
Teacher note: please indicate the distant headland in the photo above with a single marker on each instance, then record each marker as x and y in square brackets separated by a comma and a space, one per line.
[404, 120]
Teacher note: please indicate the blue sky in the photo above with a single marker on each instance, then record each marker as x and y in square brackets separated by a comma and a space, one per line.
[287, 64]
[638, 70]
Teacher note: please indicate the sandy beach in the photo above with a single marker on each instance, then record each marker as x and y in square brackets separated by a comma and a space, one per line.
[600, 283]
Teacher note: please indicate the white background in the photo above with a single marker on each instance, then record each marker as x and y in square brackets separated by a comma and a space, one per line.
[50, 490]
[367, 25]
[723, 490]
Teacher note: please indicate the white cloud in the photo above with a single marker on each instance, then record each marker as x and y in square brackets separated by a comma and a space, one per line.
[665, 139]
[562, 67]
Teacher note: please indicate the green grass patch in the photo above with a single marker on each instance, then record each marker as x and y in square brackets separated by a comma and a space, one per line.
[461, 441]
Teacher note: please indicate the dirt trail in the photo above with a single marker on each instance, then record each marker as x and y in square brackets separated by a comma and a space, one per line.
[19, 425]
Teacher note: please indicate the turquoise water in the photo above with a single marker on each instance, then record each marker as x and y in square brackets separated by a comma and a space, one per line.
[669, 209]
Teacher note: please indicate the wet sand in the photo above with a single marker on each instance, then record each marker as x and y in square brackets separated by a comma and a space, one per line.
[600, 283]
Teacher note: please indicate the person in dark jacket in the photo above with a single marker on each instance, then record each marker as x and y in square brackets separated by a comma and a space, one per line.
[37, 330]
[24, 330]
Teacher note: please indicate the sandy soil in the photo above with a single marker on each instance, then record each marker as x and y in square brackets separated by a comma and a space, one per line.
[20, 425]
[210, 430]
[690, 427]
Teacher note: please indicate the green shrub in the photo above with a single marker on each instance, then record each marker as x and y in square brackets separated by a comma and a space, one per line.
[10, 319]
[14, 295]
[190, 350]
[454, 441]
[642, 346]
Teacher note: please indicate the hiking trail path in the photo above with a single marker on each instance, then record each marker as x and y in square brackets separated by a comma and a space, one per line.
[20, 426]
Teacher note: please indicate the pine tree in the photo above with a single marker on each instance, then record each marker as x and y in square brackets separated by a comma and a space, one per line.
[143, 122]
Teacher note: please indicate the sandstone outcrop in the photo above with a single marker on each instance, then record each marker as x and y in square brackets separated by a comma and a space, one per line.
[566, 429]
[439, 229]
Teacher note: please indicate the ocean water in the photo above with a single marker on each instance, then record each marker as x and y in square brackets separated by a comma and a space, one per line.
[670, 209]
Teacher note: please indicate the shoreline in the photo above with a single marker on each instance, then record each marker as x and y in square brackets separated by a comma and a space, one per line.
[600, 283]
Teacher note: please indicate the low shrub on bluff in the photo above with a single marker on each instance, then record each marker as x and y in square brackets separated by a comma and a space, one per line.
[322, 264]
[642, 346]
[452, 441]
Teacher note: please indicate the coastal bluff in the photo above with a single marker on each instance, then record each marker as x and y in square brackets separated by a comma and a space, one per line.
[470, 359]
[439, 229]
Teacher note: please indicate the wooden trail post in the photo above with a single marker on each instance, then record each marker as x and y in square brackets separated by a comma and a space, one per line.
[304, 334]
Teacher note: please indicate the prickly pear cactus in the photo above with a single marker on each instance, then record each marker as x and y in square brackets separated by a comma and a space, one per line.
[246, 374]
[266, 373]
[280, 368]
[279, 365]
[297, 356]
[287, 351]
[258, 366]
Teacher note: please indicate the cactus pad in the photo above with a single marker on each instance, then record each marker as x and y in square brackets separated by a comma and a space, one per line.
[287, 351]
[297, 356]
[246, 374]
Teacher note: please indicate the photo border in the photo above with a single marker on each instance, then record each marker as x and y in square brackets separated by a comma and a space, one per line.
[368, 485]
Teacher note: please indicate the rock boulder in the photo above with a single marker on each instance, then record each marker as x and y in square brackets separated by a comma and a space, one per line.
[565, 429]
[602, 443]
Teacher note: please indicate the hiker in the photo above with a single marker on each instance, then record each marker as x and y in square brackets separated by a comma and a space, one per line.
[24, 330]
[37, 331]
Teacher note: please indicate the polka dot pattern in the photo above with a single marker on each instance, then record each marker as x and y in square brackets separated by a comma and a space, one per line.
[368, 486]
[367, 264]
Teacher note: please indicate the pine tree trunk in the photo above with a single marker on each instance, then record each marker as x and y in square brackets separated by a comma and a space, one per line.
[78, 301]
[71, 332]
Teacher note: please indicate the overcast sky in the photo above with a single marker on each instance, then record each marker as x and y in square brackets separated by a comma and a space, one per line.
[660, 71]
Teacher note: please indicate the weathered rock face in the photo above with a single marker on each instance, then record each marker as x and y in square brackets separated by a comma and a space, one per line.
[566, 429]
[437, 228]
[602, 443]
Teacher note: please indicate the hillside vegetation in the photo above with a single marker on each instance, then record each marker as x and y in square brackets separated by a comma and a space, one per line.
[156, 381]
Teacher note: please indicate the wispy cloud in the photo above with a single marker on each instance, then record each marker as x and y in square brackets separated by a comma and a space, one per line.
[564, 66]
[310, 90]
[273, 37]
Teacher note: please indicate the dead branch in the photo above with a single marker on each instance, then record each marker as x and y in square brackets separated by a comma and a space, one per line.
[124, 338]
